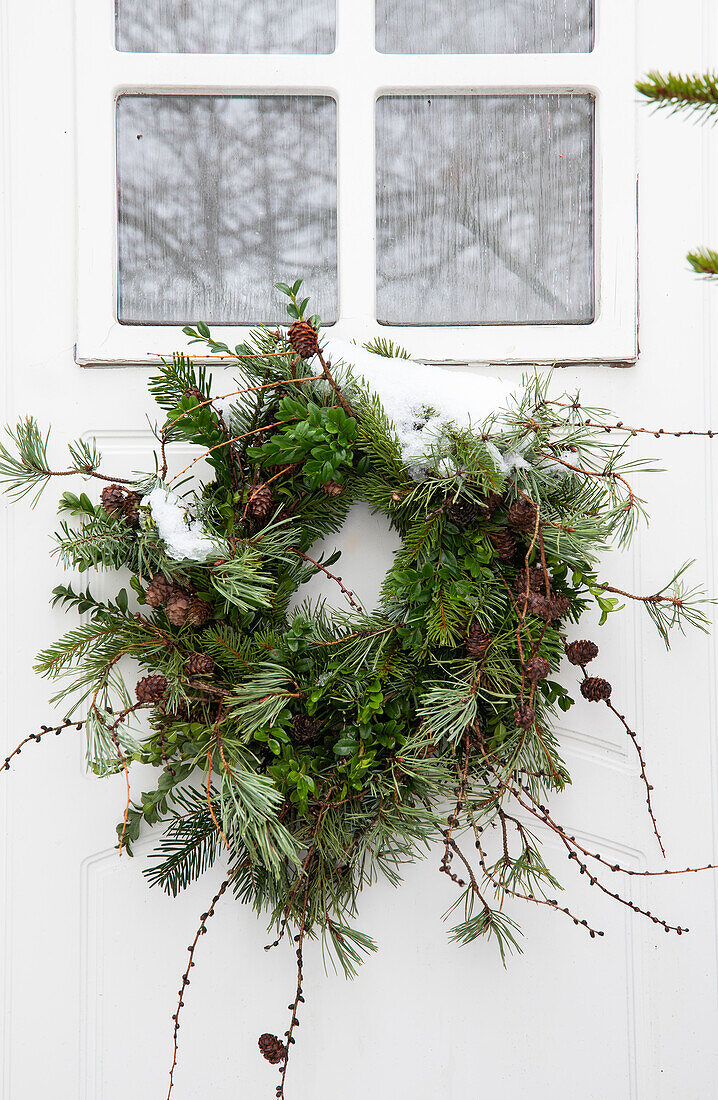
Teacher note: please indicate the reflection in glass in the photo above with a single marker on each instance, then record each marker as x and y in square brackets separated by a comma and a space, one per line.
[485, 209]
[218, 198]
[484, 26]
[225, 26]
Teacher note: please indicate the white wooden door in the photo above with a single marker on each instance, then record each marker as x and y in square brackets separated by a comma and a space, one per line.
[92, 958]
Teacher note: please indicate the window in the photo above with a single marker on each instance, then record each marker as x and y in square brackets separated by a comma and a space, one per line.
[459, 176]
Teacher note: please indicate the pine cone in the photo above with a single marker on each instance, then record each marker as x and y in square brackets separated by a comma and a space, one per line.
[478, 641]
[522, 515]
[261, 501]
[151, 689]
[560, 606]
[193, 391]
[113, 499]
[199, 664]
[491, 502]
[537, 668]
[536, 582]
[580, 653]
[332, 488]
[131, 509]
[159, 591]
[524, 716]
[504, 544]
[303, 338]
[272, 1048]
[306, 730]
[596, 690]
[178, 606]
[464, 512]
[200, 612]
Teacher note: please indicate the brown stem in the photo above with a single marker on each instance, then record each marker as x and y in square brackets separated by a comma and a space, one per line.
[38, 736]
[333, 383]
[185, 977]
[349, 595]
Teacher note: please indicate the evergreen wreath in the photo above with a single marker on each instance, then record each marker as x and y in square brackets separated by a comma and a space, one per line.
[313, 750]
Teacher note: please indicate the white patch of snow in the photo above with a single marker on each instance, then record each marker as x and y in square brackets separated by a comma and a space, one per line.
[508, 462]
[185, 539]
[419, 398]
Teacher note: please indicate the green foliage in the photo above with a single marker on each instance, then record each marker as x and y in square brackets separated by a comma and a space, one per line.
[681, 93]
[317, 749]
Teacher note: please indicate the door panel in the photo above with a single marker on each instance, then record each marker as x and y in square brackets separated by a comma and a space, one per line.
[92, 959]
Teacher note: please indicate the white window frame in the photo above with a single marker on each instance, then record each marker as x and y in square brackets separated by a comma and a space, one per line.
[356, 75]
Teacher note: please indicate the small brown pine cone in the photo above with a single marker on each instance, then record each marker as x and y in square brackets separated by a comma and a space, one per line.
[559, 606]
[159, 591]
[200, 612]
[537, 668]
[199, 664]
[464, 512]
[178, 606]
[332, 488]
[305, 730]
[193, 391]
[113, 499]
[272, 1048]
[477, 641]
[538, 605]
[492, 501]
[524, 716]
[580, 653]
[504, 544]
[536, 581]
[131, 509]
[151, 689]
[303, 338]
[596, 690]
[522, 515]
[261, 501]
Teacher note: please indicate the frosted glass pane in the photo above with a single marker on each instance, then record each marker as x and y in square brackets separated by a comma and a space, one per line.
[484, 26]
[225, 26]
[485, 209]
[218, 198]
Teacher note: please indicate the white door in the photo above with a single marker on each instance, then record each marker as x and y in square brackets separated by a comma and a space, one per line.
[92, 959]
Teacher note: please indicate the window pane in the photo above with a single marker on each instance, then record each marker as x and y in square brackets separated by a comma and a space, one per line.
[484, 26]
[225, 26]
[485, 209]
[220, 196]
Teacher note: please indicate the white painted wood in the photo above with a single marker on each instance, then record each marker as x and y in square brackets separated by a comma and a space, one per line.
[355, 73]
[91, 958]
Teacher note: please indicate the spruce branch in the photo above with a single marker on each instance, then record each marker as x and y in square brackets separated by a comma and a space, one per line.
[696, 92]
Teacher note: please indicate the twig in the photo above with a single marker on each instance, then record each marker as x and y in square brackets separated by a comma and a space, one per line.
[185, 977]
[333, 383]
[38, 736]
[349, 595]
[644, 777]
[298, 997]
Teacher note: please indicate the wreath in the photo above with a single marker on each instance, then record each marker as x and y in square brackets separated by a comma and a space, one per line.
[315, 750]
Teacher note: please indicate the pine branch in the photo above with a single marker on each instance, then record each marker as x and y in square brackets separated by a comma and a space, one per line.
[704, 262]
[677, 92]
